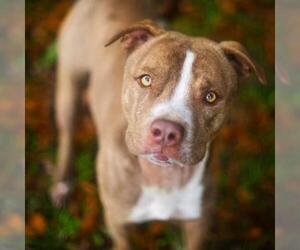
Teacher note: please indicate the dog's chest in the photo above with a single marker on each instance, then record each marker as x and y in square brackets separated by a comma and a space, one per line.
[156, 203]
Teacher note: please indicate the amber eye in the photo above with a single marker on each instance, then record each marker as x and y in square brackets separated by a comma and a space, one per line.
[210, 97]
[145, 80]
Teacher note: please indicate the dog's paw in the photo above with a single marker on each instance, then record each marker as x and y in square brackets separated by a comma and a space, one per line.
[59, 193]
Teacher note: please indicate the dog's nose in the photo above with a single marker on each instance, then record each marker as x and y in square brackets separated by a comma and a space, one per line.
[166, 132]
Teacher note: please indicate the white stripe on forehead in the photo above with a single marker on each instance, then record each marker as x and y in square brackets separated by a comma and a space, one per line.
[181, 90]
[176, 107]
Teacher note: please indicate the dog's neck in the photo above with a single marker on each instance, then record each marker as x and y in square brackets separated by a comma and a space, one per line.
[161, 200]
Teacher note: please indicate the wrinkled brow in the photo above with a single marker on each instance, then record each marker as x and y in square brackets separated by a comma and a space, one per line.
[150, 70]
[209, 85]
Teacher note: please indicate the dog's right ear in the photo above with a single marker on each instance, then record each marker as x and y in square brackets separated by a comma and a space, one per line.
[136, 34]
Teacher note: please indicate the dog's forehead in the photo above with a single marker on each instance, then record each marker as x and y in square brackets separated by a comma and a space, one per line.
[162, 53]
[173, 48]
[166, 55]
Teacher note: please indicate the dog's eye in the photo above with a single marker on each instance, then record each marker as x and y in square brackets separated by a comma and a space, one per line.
[145, 80]
[210, 97]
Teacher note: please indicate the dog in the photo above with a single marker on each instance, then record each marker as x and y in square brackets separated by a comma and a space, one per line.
[157, 101]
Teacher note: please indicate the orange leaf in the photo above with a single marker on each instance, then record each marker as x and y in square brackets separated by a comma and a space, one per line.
[37, 224]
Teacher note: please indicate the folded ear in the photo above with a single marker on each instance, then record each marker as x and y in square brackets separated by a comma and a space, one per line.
[136, 34]
[241, 61]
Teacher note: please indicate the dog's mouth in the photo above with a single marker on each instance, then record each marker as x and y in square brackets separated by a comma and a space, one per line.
[161, 160]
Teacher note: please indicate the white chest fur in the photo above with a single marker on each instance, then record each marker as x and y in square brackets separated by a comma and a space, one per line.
[156, 203]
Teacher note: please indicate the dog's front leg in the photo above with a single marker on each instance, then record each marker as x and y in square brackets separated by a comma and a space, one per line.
[67, 99]
[194, 231]
[118, 233]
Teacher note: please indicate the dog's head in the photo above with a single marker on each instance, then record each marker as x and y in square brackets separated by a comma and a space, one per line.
[177, 91]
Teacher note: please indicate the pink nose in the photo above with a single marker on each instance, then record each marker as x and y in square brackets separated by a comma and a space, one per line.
[166, 132]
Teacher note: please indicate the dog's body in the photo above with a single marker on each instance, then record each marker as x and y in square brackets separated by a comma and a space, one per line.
[157, 104]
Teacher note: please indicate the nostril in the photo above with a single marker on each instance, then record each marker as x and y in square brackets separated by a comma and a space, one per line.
[156, 132]
[174, 135]
[171, 137]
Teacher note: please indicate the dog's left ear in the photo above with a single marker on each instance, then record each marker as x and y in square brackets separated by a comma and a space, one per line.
[241, 61]
[137, 34]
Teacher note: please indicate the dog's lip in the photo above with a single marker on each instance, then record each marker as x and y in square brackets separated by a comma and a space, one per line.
[161, 159]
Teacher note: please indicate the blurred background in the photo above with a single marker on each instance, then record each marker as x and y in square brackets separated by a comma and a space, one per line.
[12, 136]
[243, 152]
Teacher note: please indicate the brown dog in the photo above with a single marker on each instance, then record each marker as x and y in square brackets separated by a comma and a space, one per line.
[157, 103]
